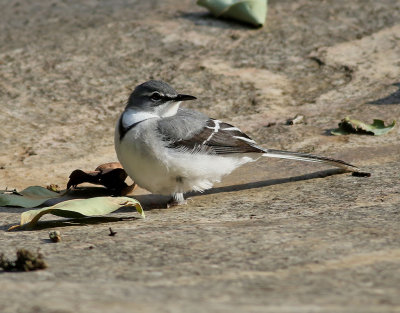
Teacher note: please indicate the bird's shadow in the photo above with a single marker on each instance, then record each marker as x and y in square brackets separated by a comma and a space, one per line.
[393, 98]
[152, 201]
[209, 20]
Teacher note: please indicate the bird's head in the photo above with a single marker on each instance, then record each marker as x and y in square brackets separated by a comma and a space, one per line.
[157, 97]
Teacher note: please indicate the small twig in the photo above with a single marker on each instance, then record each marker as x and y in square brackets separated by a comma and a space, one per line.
[112, 233]
[361, 174]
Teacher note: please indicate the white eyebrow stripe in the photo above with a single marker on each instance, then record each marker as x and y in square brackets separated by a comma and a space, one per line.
[216, 129]
[244, 139]
[231, 129]
[152, 93]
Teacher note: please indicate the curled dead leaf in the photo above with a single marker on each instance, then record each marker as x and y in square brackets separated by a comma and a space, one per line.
[78, 208]
[108, 166]
[249, 11]
[110, 175]
[352, 126]
[29, 197]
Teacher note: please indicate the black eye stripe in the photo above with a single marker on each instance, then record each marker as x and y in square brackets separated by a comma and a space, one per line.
[156, 96]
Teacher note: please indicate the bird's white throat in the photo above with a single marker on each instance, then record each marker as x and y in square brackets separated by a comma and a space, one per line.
[168, 109]
[132, 116]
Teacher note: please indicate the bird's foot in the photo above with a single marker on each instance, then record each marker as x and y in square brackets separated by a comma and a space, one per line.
[172, 203]
[177, 199]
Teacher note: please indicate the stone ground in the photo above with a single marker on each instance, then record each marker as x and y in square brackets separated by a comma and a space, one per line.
[275, 236]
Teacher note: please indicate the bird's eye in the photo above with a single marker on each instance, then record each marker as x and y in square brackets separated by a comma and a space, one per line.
[155, 96]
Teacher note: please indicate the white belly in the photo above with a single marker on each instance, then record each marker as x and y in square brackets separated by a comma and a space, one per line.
[165, 171]
[140, 164]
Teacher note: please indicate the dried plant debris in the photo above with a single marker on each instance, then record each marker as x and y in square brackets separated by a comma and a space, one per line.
[26, 261]
[53, 187]
[253, 12]
[30, 197]
[110, 175]
[361, 174]
[55, 236]
[112, 233]
[298, 119]
[78, 208]
[351, 126]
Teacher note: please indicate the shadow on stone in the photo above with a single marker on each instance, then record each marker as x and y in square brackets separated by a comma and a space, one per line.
[265, 183]
[393, 98]
[72, 222]
[152, 201]
[207, 19]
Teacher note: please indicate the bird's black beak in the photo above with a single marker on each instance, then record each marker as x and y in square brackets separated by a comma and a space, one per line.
[184, 97]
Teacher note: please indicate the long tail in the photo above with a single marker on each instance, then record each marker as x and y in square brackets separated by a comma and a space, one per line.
[309, 158]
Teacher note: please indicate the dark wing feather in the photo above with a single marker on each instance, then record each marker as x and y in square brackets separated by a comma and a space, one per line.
[200, 133]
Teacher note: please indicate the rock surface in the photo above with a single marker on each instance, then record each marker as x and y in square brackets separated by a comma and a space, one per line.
[275, 236]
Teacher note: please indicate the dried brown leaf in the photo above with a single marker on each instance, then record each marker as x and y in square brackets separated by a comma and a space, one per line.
[108, 166]
[110, 175]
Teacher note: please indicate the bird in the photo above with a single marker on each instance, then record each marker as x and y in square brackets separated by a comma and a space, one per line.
[171, 150]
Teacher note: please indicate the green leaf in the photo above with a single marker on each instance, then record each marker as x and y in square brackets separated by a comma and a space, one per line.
[79, 208]
[352, 126]
[30, 197]
[250, 11]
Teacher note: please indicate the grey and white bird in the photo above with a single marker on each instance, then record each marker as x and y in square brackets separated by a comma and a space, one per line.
[169, 150]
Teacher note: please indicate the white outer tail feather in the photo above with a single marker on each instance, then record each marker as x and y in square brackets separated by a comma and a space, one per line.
[271, 153]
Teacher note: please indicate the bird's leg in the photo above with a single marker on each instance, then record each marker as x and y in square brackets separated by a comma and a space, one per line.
[177, 199]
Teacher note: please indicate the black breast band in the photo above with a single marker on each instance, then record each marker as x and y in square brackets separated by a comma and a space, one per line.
[123, 130]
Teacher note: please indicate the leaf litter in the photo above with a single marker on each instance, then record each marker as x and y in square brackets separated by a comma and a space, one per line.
[249, 11]
[352, 126]
[30, 197]
[78, 208]
[110, 175]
